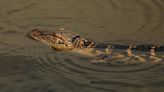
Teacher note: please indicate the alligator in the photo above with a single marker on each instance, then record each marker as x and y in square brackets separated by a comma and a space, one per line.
[61, 40]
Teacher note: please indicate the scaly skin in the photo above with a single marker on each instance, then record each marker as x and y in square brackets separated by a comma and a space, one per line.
[61, 40]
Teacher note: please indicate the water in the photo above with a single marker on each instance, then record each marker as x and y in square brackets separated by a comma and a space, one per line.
[29, 66]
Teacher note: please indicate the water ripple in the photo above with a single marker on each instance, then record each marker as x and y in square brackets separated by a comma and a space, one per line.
[32, 66]
[160, 23]
[69, 68]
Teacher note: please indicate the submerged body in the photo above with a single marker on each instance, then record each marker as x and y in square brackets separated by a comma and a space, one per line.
[61, 40]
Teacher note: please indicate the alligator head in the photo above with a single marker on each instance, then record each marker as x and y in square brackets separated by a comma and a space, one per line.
[60, 39]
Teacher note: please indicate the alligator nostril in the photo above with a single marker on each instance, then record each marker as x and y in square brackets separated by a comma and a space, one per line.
[36, 33]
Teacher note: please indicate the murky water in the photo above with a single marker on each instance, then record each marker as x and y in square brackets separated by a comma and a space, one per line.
[29, 66]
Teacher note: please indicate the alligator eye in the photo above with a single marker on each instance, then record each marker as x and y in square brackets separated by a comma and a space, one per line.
[59, 41]
[74, 38]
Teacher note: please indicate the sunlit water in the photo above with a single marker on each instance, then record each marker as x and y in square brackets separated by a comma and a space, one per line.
[29, 66]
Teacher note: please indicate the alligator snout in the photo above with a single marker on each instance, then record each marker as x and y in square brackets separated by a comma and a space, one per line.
[35, 32]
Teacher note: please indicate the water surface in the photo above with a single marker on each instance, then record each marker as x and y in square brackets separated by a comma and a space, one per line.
[29, 66]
